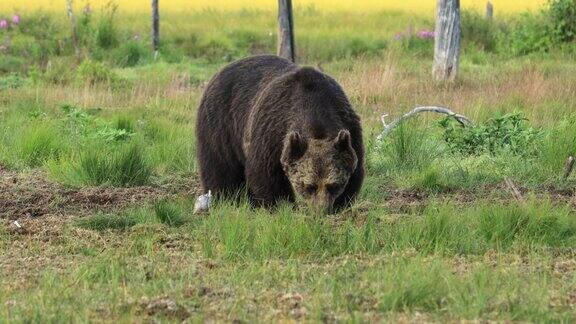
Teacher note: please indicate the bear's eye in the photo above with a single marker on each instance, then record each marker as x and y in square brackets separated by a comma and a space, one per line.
[333, 188]
[311, 189]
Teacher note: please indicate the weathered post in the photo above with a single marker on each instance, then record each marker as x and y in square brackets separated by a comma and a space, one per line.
[489, 10]
[155, 28]
[447, 43]
[70, 13]
[286, 47]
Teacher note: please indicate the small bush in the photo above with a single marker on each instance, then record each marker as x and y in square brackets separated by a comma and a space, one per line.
[563, 17]
[478, 30]
[11, 82]
[510, 133]
[528, 34]
[111, 134]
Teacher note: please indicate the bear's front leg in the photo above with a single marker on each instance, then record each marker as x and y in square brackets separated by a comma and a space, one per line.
[267, 186]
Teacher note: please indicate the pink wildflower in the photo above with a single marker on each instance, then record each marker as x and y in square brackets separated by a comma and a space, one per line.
[425, 34]
[16, 19]
[3, 24]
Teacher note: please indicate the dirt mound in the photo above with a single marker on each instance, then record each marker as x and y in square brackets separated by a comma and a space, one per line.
[32, 195]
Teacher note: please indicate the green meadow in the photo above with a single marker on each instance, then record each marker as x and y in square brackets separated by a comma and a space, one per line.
[98, 175]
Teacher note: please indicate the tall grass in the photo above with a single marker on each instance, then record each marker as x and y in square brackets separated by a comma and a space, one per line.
[235, 232]
[125, 166]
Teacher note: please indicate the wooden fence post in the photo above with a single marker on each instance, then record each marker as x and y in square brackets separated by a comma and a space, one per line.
[489, 10]
[447, 42]
[70, 13]
[155, 28]
[286, 46]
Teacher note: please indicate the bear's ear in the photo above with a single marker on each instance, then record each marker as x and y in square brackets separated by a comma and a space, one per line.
[294, 147]
[343, 141]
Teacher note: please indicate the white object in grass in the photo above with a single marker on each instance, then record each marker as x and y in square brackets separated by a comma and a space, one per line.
[203, 203]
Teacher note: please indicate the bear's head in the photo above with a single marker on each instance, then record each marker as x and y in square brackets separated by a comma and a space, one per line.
[318, 169]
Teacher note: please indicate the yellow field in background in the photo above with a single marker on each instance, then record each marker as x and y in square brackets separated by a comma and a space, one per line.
[420, 6]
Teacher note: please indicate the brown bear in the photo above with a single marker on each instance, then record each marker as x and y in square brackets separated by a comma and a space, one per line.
[282, 132]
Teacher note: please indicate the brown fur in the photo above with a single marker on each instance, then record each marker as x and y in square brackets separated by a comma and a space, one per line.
[280, 131]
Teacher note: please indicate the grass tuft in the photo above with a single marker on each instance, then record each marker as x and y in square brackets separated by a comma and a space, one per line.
[38, 144]
[106, 222]
[126, 167]
[169, 214]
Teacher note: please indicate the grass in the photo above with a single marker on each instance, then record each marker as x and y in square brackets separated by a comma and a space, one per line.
[436, 235]
[237, 233]
[435, 266]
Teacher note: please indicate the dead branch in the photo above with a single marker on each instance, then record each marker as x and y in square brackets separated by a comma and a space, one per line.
[568, 167]
[463, 120]
[70, 13]
[515, 192]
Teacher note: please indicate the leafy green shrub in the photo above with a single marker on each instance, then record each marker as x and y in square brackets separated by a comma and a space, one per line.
[11, 82]
[111, 134]
[78, 122]
[120, 130]
[563, 17]
[528, 34]
[75, 119]
[509, 132]
[478, 30]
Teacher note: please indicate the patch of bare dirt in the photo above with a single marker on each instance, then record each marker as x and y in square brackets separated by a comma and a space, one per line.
[163, 306]
[32, 195]
[406, 201]
[292, 304]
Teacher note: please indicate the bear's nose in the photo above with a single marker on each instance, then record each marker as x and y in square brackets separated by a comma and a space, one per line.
[321, 204]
